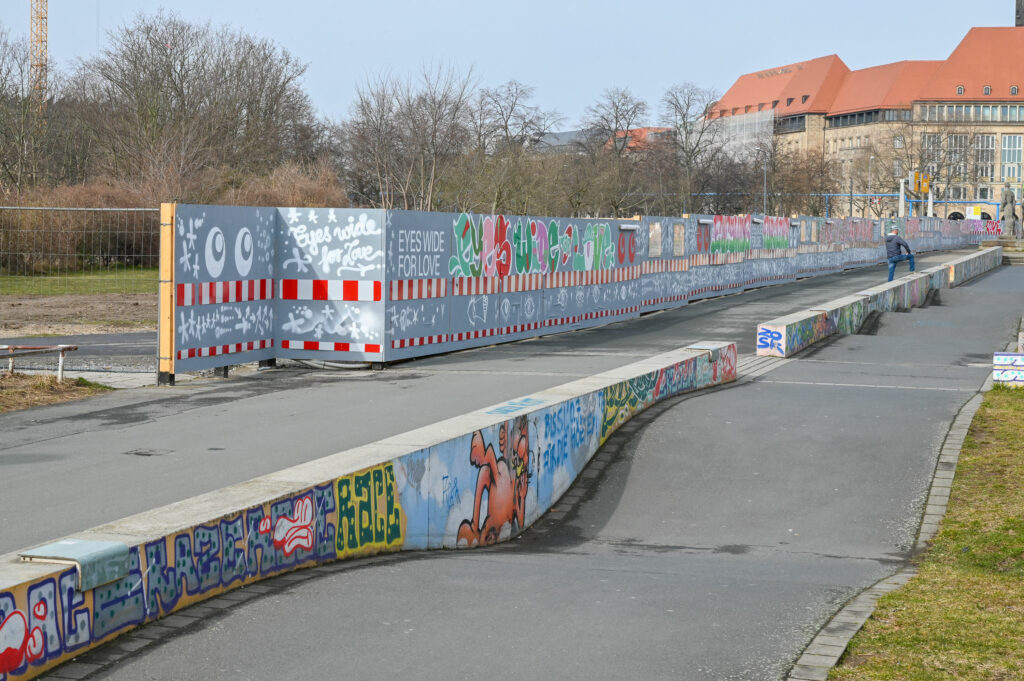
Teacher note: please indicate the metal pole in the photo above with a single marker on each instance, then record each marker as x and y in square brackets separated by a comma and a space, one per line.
[764, 188]
[870, 159]
[851, 196]
[60, 368]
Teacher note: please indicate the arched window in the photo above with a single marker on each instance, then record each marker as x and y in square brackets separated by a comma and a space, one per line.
[1013, 89]
[988, 90]
[959, 89]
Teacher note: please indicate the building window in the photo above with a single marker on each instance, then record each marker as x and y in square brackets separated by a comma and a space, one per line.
[897, 142]
[959, 89]
[1013, 90]
[1011, 156]
[789, 101]
[984, 194]
[897, 168]
[803, 100]
[958, 155]
[931, 147]
[985, 157]
[988, 89]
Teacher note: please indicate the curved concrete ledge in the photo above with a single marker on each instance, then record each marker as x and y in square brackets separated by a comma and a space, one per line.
[468, 481]
[785, 336]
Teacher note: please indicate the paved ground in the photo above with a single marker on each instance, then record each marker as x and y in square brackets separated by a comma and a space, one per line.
[709, 539]
[122, 453]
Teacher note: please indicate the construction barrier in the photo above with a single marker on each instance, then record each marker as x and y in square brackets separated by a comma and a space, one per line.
[241, 284]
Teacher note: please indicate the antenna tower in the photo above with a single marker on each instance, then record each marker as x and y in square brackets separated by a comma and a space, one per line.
[39, 56]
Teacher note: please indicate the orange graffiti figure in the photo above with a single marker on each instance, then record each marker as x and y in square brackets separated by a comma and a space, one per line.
[506, 481]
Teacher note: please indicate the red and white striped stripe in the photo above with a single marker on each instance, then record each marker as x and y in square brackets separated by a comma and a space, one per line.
[596, 314]
[216, 350]
[522, 282]
[667, 299]
[664, 266]
[416, 289]
[215, 292]
[498, 331]
[318, 346]
[415, 342]
[330, 289]
[475, 286]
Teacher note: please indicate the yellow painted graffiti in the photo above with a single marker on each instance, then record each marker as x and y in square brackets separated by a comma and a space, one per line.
[370, 517]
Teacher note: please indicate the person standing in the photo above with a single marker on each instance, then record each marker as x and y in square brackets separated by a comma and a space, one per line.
[893, 245]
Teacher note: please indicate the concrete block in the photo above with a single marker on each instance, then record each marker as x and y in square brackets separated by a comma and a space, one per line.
[785, 336]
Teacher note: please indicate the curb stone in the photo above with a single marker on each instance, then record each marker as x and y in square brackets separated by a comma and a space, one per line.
[827, 647]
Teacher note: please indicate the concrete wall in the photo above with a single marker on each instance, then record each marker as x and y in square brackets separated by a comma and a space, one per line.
[472, 480]
[364, 285]
[785, 336]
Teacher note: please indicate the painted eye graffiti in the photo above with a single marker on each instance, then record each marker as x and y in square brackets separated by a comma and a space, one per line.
[216, 253]
[243, 252]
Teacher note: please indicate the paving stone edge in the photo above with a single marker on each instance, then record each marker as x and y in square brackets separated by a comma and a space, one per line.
[830, 643]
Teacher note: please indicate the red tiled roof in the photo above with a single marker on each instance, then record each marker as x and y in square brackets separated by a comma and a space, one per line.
[816, 80]
[638, 137]
[986, 56]
[890, 86]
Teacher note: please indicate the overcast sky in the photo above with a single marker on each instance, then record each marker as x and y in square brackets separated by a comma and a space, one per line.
[569, 50]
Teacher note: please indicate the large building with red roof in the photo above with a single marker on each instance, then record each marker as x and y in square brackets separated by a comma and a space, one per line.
[960, 121]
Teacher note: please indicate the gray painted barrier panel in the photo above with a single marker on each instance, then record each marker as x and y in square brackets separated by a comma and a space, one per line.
[371, 285]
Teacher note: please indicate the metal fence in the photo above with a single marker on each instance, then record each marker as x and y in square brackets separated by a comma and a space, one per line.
[54, 251]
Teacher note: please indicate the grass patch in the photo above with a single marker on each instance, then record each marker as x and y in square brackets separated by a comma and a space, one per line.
[119, 280]
[962, 616]
[22, 391]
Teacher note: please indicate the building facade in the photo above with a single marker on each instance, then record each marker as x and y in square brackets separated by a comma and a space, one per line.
[960, 122]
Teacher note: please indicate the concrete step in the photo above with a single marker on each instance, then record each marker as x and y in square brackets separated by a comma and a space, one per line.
[1013, 258]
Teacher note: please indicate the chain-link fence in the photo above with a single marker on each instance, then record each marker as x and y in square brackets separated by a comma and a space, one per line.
[55, 251]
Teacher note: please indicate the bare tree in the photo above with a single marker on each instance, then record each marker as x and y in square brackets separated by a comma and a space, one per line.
[697, 137]
[169, 99]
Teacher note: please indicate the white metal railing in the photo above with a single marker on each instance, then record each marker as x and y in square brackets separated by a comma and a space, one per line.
[13, 351]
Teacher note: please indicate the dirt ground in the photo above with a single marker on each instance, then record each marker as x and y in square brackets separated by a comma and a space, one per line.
[22, 391]
[76, 314]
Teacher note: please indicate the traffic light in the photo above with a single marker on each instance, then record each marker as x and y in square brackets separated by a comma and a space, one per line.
[915, 180]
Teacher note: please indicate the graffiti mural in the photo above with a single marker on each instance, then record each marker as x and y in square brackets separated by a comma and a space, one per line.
[492, 246]
[776, 232]
[504, 480]
[730, 233]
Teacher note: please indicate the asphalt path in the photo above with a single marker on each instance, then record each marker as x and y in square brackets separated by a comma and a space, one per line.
[710, 538]
[124, 352]
[130, 451]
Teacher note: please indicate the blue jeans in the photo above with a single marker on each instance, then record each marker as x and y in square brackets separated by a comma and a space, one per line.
[899, 258]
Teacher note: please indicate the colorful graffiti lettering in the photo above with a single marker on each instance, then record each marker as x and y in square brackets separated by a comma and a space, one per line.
[369, 512]
[624, 399]
[567, 431]
[730, 234]
[293, 532]
[17, 642]
[776, 232]
[492, 246]
[1012, 376]
[504, 479]
[769, 339]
